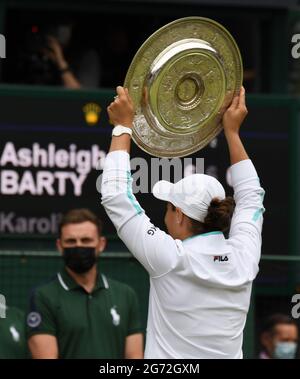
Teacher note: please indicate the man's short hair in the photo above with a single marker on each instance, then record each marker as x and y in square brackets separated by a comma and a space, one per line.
[277, 319]
[77, 216]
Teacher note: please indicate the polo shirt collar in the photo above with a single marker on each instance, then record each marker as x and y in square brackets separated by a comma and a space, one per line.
[68, 283]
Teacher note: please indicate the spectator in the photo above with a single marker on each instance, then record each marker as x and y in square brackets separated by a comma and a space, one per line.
[55, 52]
[84, 70]
[12, 335]
[279, 338]
[81, 313]
[46, 59]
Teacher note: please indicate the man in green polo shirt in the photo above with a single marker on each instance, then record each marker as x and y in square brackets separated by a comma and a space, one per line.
[81, 313]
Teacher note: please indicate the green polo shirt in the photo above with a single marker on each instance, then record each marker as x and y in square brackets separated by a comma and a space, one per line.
[13, 344]
[86, 325]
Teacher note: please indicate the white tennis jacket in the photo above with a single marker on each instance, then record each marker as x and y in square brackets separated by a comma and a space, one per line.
[200, 287]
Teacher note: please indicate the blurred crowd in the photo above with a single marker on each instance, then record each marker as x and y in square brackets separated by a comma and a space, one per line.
[71, 54]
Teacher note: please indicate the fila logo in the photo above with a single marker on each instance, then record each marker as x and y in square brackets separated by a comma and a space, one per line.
[220, 258]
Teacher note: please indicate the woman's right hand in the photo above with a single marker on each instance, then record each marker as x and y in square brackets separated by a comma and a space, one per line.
[235, 114]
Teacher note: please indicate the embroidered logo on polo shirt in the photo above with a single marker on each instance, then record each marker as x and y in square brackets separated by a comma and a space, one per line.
[34, 319]
[115, 316]
[14, 333]
[220, 258]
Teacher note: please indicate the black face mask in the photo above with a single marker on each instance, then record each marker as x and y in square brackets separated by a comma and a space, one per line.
[79, 259]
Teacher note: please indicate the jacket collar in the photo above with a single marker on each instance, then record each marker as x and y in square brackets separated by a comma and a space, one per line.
[211, 242]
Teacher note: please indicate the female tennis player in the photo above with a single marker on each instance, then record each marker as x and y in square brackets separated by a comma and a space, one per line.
[200, 281]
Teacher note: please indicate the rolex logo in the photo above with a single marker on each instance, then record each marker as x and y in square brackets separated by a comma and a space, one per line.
[91, 113]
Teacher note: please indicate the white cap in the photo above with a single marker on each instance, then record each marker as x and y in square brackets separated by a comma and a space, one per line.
[192, 194]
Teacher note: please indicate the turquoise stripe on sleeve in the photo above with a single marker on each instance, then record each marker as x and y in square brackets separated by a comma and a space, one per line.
[257, 214]
[130, 194]
[260, 211]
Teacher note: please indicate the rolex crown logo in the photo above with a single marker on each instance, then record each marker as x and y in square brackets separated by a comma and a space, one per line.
[91, 113]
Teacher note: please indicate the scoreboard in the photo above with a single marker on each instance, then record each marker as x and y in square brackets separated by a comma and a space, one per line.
[53, 144]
